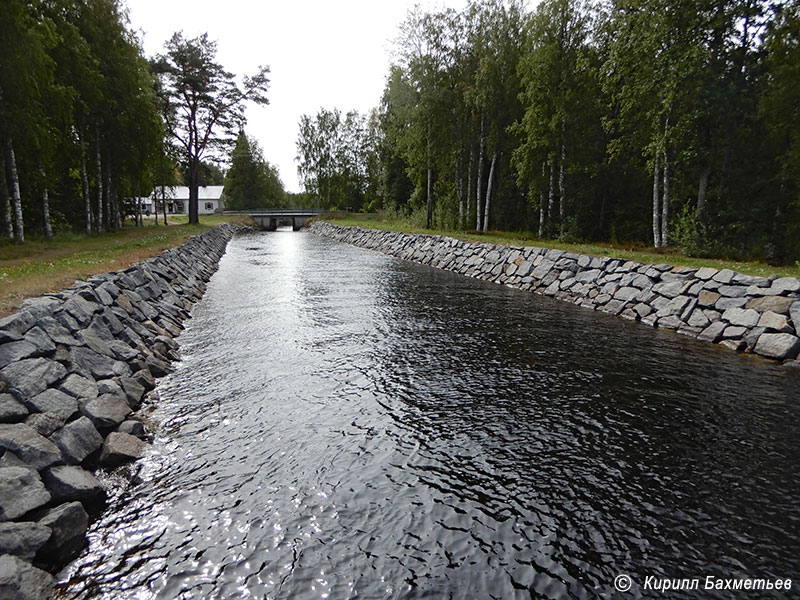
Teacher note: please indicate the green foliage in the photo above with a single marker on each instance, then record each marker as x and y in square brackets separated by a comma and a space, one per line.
[252, 182]
[203, 107]
[696, 237]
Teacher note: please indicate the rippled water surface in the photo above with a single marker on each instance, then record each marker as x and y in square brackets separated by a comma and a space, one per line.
[348, 425]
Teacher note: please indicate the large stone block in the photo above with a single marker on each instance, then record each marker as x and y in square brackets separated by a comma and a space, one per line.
[744, 317]
[26, 443]
[31, 376]
[68, 524]
[120, 448]
[55, 401]
[21, 491]
[106, 411]
[20, 580]
[69, 483]
[22, 539]
[77, 440]
[781, 346]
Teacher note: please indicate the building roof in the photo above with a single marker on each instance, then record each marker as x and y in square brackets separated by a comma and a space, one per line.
[181, 192]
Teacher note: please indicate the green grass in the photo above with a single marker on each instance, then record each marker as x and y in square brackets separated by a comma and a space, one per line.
[626, 252]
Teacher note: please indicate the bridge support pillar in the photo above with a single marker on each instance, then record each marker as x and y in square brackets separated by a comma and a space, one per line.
[298, 223]
[266, 223]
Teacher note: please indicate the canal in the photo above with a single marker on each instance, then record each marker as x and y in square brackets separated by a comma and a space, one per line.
[347, 425]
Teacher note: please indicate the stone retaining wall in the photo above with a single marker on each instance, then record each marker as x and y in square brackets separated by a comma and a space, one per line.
[757, 315]
[73, 367]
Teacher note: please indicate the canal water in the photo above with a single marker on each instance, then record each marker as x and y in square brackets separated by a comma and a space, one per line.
[347, 425]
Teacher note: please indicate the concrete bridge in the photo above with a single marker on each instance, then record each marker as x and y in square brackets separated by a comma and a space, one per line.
[268, 220]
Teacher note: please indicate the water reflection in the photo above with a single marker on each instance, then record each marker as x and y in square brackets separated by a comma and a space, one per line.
[347, 425]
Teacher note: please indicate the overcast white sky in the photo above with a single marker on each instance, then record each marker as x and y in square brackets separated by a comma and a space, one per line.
[321, 54]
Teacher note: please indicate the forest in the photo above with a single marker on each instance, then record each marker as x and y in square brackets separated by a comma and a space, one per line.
[87, 123]
[80, 122]
[657, 122]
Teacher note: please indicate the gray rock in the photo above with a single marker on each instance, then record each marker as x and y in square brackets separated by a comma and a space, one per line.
[120, 448]
[706, 273]
[135, 428]
[22, 539]
[20, 580]
[31, 376]
[80, 309]
[732, 291]
[57, 332]
[13, 327]
[724, 276]
[110, 386]
[42, 342]
[744, 317]
[775, 322]
[784, 285]
[79, 387]
[13, 351]
[674, 307]
[145, 378]
[21, 491]
[776, 304]
[55, 401]
[89, 363]
[77, 440]
[68, 483]
[697, 319]
[726, 303]
[133, 391]
[11, 411]
[159, 367]
[733, 332]
[781, 346]
[627, 293]
[794, 313]
[669, 322]
[670, 289]
[45, 423]
[9, 459]
[34, 449]
[713, 333]
[68, 524]
[106, 411]
[96, 343]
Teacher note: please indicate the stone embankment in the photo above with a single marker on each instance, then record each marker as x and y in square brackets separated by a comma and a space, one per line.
[73, 368]
[759, 315]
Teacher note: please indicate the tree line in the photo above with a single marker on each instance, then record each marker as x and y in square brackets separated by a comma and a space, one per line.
[87, 121]
[651, 121]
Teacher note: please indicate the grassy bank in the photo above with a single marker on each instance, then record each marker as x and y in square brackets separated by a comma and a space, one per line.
[626, 252]
[39, 265]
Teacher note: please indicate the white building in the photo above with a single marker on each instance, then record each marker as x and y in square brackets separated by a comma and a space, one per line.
[209, 200]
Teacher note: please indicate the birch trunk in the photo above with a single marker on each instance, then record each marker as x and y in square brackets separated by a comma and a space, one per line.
[7, 218]
[16, 197]
[458, 158]
[541, 202]
[469, 183]
[562, 202]
[702, 189]
[164, 205]
[489, 192]
[656, 207]
[99, 161]
[478, 184]
[665, 204]
[87, 199]
[429, 187]
[551, 197]
[48, 226]
[107, 195]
